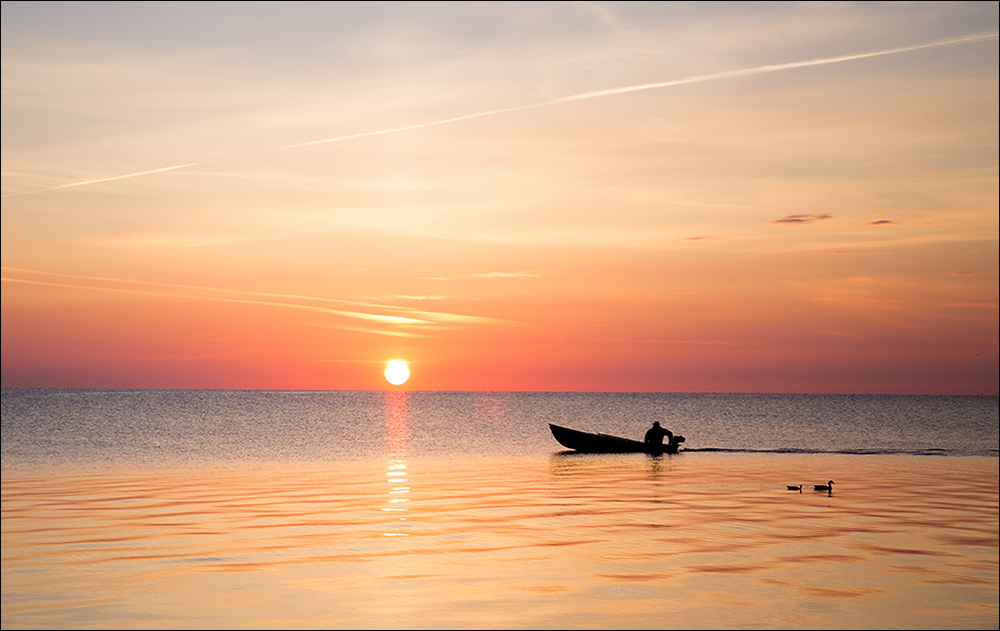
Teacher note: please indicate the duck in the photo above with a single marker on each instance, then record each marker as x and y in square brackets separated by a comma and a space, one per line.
[794, 487]
[823, 487]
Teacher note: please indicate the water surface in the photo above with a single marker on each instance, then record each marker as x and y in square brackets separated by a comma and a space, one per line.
[200, 509]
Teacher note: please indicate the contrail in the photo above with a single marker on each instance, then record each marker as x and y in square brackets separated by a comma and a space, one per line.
[744, 72]
[409, 127]
[106, 179]
[715, 76]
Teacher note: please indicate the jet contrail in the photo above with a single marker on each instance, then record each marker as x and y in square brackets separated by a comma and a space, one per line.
[726, 74]
[715, 76]
[417, 126]
[106, 179]
[744, 72]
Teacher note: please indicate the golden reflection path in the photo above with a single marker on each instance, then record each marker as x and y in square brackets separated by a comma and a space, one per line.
[699, 540]
[397, 435]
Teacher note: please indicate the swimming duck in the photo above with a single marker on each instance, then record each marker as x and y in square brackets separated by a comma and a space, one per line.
[795, 487]
[823, 487]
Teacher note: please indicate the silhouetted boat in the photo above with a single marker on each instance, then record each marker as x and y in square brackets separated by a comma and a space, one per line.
[588, 442]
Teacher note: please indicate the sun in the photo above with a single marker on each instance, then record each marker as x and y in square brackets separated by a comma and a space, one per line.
[397, 372]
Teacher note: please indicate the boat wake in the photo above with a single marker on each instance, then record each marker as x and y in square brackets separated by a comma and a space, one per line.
[860, 452]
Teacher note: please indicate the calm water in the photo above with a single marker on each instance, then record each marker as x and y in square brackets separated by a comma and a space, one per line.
[250, 509]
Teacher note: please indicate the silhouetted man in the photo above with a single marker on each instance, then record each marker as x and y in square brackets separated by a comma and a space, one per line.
[656, 434]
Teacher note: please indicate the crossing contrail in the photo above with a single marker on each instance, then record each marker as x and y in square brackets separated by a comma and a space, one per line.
[715, 76]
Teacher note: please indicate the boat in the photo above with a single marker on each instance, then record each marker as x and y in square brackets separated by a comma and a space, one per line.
[587, 442]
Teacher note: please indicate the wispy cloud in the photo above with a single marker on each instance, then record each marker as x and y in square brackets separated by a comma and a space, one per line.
[370, 317]
[695, 342]
[796, 220]
[505, 275]
[409, 297]
[974, 305]
[456, 277]
[402, 315]
[883, 222]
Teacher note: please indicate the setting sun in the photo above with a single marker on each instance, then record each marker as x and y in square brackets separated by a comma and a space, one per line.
[679, 197]
[397, 372]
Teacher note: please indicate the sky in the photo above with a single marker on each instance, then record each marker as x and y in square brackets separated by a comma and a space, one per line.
[578, 196]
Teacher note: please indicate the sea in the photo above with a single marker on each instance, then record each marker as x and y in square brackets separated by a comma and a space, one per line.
[250, 509]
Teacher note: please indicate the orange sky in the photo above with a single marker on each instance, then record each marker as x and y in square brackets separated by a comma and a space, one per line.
[596, 197]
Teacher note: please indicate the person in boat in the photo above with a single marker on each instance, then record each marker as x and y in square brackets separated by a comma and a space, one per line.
[656, 434]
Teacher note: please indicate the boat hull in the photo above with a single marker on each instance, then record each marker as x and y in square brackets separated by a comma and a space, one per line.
[587, 442]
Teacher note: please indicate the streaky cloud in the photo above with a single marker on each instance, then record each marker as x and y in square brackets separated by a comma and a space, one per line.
[408, 315]
[974, 305]
[883, 222]
[802, 219]
[693, 342]
[415, 297]
[370, 317]
[505, 275]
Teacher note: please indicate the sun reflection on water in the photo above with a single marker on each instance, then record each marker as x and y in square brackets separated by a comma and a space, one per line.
[397, 435]
[398, 487]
